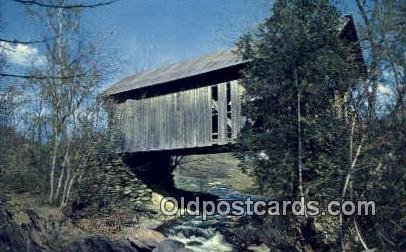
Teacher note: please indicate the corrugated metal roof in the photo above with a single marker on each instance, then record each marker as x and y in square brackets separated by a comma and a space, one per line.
[177, 71]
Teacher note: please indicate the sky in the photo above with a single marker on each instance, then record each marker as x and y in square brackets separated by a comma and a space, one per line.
[145, 34]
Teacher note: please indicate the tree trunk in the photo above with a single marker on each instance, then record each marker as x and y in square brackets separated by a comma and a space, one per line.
[68, 186]
[59, 47]
[299, 139]
[353, 162]
[364, 244]
[374, 65]
[58, 187]
[299, 219]
[65, 187]
[53, 165]
[67, 195]
[65, 165]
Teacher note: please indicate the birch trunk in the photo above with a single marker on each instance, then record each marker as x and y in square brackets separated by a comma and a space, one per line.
[299, 220]
[66, 197]
[65, 187]
[353, 162]
[299, 139]
[58, 123]
[68, 186]
[53, 165]
[58, 187]
[65, 165]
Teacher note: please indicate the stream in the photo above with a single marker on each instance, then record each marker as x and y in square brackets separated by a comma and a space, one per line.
[219, 175]
[217, 233]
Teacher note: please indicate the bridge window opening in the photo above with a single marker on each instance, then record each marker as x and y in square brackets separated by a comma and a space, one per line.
[214, 93]
[228, 94]
[214, 113]
[215, 126]
[228, 90]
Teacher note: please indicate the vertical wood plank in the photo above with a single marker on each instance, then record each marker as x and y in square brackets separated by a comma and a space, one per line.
[222, 113]
[200, 126]
[208, 116]
[130, 125]
[241, 91]
[179, 120]
[235, 109]
[194, 118]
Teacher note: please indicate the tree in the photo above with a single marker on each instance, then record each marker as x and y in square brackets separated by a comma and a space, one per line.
[299, 86]
[46, 5]
[79, 69]
[382, 166]
[383, 33]
[7, 109]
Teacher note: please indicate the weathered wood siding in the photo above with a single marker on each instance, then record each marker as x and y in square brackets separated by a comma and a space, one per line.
[178, 120]
[237, 120]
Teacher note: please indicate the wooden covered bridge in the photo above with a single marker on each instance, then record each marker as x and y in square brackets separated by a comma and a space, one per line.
[189, 105]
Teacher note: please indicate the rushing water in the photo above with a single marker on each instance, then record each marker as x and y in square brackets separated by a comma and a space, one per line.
[215, 233]
[200, 235]
[217, 175]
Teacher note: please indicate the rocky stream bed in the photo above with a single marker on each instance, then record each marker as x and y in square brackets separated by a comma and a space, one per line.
[132, 220]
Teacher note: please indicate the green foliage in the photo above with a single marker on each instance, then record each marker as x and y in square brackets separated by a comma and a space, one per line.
[381, 177]
[298, 49]
[297, 53]
[23, 166]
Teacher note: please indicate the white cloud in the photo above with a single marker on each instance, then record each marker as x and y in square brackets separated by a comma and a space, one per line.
[23, 55]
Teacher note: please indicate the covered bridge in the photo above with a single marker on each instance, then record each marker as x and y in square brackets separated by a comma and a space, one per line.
[192, 104]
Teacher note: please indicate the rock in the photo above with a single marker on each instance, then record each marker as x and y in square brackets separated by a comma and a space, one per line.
[194, 243]
[144, 238]
[33, 233]
[252, 230]
[11, 236]
[170, 245]
[126, 192]
[96, 243]
[151, 223]
[44, 232]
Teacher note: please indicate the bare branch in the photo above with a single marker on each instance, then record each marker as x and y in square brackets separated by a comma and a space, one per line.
[69, 6]
[14, 41]
[357, 230]
[39, 77]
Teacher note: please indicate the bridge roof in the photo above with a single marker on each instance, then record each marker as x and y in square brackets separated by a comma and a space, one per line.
[181, 70]
[202, 65]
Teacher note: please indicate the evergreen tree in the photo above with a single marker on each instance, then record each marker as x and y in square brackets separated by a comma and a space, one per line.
[298, 62]
[299, 86]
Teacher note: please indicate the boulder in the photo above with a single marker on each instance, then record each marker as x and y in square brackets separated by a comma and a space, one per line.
[15, 238]
[144, 238]
[98, 243]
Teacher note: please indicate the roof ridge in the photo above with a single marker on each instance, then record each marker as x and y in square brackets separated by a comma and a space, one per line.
[178, 70]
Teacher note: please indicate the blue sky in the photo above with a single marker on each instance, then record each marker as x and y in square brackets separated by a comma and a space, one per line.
[149, 33]
[145, 34]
